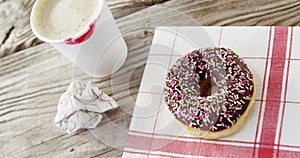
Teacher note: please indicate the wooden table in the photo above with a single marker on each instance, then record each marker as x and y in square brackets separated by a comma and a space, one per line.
[34, 75]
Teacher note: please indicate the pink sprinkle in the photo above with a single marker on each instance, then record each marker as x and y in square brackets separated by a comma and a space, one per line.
[244, 82]
[173, 82]
[232, 97]
[193, 76]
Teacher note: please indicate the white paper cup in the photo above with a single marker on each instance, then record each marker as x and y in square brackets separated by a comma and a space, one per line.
[99, 49]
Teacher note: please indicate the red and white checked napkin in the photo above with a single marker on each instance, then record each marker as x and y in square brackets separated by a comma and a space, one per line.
[273, 126]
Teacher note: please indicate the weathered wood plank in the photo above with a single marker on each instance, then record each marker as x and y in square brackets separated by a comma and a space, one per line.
[120, 8]
[29, 98]
[15, 32]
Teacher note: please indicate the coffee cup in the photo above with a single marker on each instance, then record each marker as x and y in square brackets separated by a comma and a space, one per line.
[82, 30]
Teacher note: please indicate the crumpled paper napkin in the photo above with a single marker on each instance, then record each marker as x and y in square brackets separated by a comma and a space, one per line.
[80, 107]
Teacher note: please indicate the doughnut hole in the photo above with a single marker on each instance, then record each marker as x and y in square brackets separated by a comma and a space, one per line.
[207, 87]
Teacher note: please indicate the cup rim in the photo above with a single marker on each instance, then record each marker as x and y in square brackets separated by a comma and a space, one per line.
[48, 40]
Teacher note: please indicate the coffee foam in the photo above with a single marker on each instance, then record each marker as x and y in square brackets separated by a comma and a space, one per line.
[63, 19]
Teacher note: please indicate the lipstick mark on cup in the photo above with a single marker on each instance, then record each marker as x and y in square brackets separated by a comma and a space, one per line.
[83, 37]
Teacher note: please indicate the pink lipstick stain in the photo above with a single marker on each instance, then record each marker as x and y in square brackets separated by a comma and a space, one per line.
[82, 38]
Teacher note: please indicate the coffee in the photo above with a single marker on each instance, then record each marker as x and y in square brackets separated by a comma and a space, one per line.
[98, 49]
[63, 19]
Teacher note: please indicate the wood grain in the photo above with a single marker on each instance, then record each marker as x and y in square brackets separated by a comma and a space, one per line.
[34, 75]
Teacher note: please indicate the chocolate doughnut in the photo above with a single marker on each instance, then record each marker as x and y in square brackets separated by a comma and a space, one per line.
[210, 91]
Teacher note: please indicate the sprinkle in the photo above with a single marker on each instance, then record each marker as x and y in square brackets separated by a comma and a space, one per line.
[230, 121]
[232, 77]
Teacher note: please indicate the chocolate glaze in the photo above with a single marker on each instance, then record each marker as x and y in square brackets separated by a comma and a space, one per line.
[189, 87]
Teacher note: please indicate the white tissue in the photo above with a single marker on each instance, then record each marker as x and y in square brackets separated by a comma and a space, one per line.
[80, 107]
